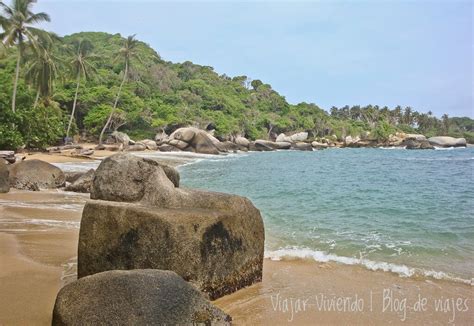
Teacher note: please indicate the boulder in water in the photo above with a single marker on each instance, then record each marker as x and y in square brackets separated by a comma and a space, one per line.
[319, 145]
[417, 144]
[137, 297]
[302, 146]
[444, 141]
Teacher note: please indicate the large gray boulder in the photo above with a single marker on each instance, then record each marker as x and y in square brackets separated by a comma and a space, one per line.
[417, 137]
[445, 141]
[139, 219]
[83, 183]
[122, 138]
[150, 144]
[416, 144]
[297, 137]
[120, 175]
[199, 140]
[138, 297]
[36, 175]
[4, 177]
[272, 145]
[300, 146]
[242, 141]
[319, 145]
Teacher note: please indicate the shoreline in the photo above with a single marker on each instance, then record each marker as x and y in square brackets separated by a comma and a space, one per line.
[181, 159]
[40, 251]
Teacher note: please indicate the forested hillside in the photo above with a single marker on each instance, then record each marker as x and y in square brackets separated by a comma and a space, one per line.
[158, 94]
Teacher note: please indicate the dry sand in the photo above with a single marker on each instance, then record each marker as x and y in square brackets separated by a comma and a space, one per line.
[38, 241]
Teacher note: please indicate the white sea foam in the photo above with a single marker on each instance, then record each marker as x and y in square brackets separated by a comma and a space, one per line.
[447, 148]
[77, 166]
[394, 147]
[321, 256]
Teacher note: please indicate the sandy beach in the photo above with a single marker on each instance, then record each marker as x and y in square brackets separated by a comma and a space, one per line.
[39, 235]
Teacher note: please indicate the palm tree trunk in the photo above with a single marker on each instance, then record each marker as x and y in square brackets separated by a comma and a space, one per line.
[115, 104]
[36, 99]
[74, 104]
[15, 84]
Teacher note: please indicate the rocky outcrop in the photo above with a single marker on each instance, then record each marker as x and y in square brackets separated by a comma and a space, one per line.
[4, 178]
[318, 145]
[72, 176]
[242, 142]
[83, 183]
[36, 175]
[149, 144]
[137, 147]
[194, 140]
[228, 146]
[298, 137]
[300, 146]
[161, 137]
[122, 138]
[349, 140]
[417, 144]
[417, 137]
[139, 219]
[444, 141]
[259, 143]
[138, 297]
[168, 148]
[8, 156]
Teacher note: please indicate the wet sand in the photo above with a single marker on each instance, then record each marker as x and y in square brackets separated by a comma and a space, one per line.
[67, 156]
[38, 241]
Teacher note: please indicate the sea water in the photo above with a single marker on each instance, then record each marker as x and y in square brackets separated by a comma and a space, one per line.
[404, 211]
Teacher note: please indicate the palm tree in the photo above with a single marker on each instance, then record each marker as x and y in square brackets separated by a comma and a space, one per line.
[126, 53]
[446, 123]
[41, 71]
[17, 29]
[81, 67]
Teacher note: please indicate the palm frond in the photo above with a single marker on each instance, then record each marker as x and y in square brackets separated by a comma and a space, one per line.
[38, 18]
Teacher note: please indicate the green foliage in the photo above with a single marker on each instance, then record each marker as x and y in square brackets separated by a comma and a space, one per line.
[10, 136]
[382, 131]
[164, 95]
[41, 127]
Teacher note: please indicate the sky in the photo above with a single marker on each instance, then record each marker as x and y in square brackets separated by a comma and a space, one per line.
[332, 53]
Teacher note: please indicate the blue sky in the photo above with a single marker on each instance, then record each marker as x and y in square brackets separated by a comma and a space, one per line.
[411, 53]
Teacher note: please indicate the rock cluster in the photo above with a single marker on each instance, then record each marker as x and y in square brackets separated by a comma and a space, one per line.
[140, 219]
[192, 140]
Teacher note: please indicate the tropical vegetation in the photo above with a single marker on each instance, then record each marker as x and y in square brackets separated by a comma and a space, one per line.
[89, 84]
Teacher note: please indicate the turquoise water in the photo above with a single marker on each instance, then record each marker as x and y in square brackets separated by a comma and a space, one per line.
[409, 212]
